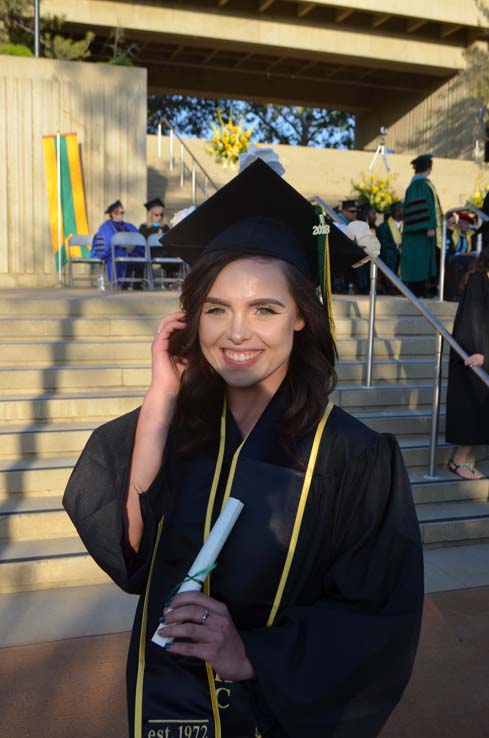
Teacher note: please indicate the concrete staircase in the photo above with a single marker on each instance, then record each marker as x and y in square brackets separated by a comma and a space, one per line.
[72, 360]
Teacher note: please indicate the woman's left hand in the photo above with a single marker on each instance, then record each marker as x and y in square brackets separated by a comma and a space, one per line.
[213, 635]
[475, 360]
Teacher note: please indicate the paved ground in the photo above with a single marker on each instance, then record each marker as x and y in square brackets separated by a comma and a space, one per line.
[75, 688]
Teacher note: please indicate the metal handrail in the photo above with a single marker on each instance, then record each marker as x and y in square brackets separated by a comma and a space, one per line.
[441, 331]
[195, 161]
[481, 215]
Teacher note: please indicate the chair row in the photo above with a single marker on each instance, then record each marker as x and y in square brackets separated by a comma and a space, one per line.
[156, 269]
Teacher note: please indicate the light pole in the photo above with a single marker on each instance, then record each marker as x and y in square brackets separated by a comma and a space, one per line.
[37, 28]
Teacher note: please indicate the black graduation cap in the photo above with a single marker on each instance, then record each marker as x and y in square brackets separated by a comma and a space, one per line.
[423, 160]
[154, 203]
[259, 213]
[113, 206]
[348, 204]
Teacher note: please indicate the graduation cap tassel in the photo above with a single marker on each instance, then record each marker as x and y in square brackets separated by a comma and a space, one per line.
[321, 232]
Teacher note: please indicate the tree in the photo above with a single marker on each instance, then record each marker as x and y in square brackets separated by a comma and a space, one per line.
[476, 73]
[282, 124]
[17, 33]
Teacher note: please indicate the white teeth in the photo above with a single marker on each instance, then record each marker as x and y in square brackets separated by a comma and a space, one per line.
[241, 355]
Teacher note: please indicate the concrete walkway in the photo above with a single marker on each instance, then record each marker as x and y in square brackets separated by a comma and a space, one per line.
[75, 688]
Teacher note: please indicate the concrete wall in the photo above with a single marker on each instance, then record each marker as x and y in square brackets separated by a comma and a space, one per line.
[106, 106]
[444, 122]
[325, 172]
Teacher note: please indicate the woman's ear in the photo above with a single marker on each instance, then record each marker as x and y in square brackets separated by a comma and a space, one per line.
[299, 323]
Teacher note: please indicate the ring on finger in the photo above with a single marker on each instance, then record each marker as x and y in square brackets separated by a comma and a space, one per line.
[158, 331]
[205, 614]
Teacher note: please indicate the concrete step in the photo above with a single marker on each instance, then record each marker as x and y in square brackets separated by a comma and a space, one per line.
[50, 353]
[32, 565]
[45, 441]
[406, 347]
[24, 409]
[34, 518]
[144, 325]
[453, 522]
[400, 421]
[68, 377]
[35, 477]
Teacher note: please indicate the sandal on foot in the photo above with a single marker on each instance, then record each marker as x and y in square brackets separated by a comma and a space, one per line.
[454, 468]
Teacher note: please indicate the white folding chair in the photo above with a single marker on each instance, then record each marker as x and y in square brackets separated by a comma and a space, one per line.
[128, 241]
[175, 264]
[78, 239]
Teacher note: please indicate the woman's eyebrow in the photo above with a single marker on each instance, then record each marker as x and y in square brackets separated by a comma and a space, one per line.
[260, 301]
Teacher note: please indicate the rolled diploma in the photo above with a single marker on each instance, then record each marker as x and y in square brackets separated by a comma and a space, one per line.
[208, 554]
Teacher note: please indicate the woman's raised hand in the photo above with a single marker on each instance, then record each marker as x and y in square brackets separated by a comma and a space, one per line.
[167, 370]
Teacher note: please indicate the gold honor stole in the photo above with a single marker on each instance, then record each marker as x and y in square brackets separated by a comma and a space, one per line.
[438, 214]
[207, 526]
[396, 232]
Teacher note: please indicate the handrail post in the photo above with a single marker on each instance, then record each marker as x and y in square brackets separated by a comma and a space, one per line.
[193, 184]
[171, 149]
[443, 250]
[371, 322]
[182, 173]
[435, 407]
[159, 140]
[478, 247]
[206, 187]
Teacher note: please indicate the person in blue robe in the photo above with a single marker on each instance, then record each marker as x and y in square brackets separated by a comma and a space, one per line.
[102, 244]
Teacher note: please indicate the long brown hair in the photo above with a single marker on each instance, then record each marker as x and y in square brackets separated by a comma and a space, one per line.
[481, 264]
[311, 375]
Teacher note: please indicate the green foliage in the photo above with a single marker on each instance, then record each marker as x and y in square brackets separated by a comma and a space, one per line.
[476, 74]
[282, 124]
[17, 33]
[121, 53]
[60, 47]
[15, 50]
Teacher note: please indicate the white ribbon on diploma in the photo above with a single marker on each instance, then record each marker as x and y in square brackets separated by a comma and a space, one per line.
[207, 555]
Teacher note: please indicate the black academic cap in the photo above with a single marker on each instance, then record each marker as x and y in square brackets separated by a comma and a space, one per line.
[259, 213]
[154, 203]
[397, 205]
[113, 206]
[348, 204]
[422, 160]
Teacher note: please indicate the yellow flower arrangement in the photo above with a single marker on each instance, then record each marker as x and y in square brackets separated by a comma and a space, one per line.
[378, 191]
[229, 141]
[481, 190]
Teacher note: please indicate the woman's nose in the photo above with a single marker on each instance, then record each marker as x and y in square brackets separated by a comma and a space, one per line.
[238, 330]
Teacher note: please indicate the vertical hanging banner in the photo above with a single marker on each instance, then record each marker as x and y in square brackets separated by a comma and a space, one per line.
[66, 196]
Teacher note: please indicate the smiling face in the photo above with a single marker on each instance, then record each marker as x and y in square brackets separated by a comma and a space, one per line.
[247, 324]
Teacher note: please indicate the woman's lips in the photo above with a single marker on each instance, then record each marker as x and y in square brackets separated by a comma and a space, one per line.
[236, 358]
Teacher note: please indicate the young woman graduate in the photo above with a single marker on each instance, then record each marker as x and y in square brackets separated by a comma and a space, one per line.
[309, 625]
[467, 422]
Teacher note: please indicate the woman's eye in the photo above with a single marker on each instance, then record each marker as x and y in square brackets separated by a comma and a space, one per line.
[215, 311]
[266, 310]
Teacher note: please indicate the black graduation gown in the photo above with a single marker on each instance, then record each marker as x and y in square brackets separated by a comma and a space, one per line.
[340, 651]
[467, 421]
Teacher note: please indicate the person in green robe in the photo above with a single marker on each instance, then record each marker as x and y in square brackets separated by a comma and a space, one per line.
[389, 234]
[422, 228]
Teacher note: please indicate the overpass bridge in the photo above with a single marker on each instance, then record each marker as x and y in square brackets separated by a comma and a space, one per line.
[390, 62]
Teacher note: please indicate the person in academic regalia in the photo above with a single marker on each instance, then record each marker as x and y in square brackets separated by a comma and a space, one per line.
[422, 229]
[460, 255]
[389, 234]
[467, 412]
[102, 243]
[484, 226]
[310, 622]
[155, 209]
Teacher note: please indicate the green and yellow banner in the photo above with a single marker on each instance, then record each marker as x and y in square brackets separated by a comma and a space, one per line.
[66, 196]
